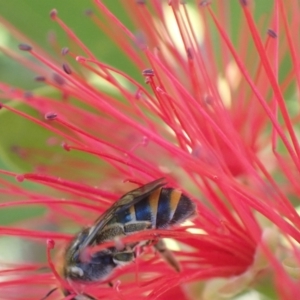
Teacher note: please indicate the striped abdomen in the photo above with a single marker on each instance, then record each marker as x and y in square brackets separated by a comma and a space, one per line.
[164, 207]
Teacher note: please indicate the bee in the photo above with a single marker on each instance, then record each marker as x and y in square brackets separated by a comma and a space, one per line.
[150, 206]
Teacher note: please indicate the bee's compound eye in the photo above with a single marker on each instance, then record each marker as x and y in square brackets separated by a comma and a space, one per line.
[76, 271]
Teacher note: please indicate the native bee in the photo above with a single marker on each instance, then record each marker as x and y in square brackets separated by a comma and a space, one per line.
[150, 206]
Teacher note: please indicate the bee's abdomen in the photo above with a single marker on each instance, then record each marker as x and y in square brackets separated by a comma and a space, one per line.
[164, 207]
[173, 208]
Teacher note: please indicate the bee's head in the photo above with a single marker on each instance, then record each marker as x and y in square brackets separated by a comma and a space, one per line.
[95, 268]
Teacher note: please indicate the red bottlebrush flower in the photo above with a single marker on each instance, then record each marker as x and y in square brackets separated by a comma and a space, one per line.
[214, 111]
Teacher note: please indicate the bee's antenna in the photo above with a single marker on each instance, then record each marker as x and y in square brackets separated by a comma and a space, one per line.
[49, 293]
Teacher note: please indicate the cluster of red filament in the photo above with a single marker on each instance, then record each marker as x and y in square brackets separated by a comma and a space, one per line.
[175, 121]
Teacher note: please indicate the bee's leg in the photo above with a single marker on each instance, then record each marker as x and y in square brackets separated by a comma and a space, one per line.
[135, 226]
[167, 254]
[49, 293]
[77, 297]
[123, 258]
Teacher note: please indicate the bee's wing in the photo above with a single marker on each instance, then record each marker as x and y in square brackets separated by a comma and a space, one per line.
[137, 195]
[122, 204]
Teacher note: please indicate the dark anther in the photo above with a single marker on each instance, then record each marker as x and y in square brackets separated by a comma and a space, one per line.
[58, 79]
[88, 12]
[148, 72]
[40, 78]
[244, 2]
[65, 146]
[28, 95]
[67, 68]
[64, 51]
[272, 33]
[50, 116]
[25, 47]
[53, 13]
[189, 53]
[140, 40]
[204, 3]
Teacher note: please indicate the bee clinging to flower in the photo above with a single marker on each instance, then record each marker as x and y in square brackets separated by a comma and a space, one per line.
[150, 206]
